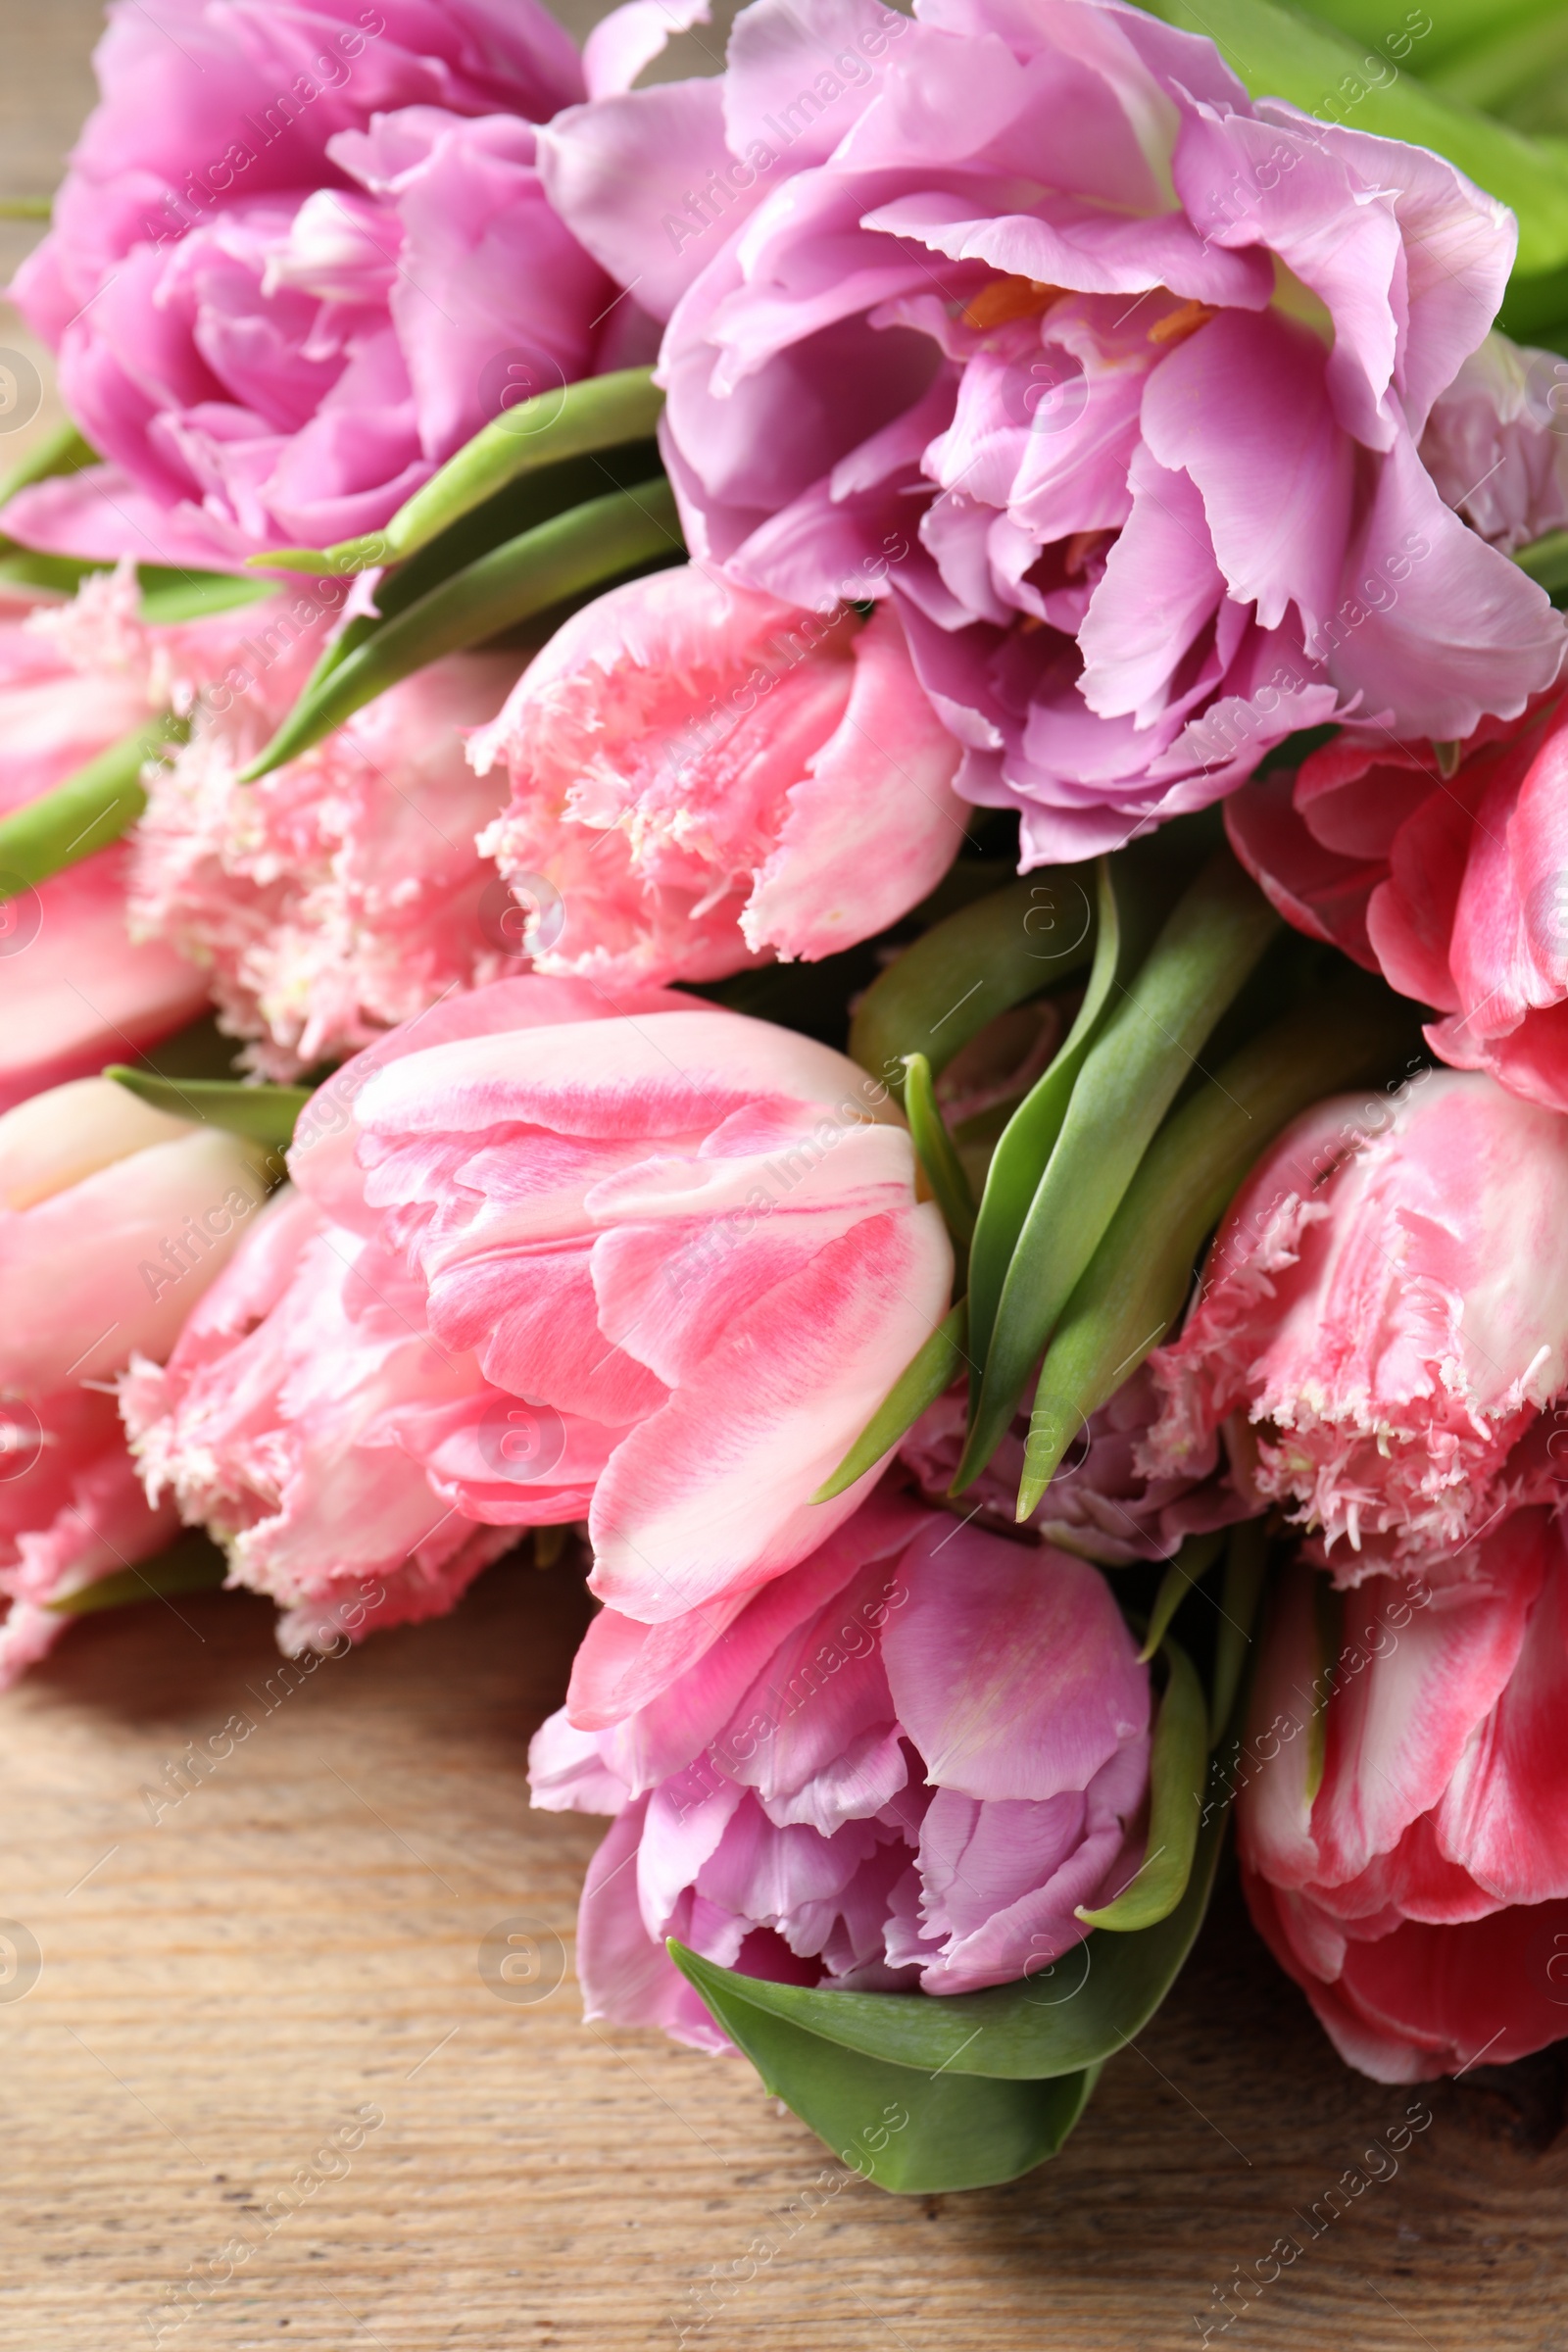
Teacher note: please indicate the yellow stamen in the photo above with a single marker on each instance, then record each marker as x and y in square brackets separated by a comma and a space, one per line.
[1008, 298]
[1176, 325]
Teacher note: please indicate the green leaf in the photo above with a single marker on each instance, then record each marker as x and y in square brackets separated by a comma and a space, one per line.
[1280, 55]
[1083, 2009]
[64, 451]
[1190, 1566]
[1146, 1050]
[963, 973]
[910, 2132]
[1134, 1286]
[1545, 561]
[928, 1132]
[925, 1378]
[1375, 23]
[192, 1563]
[591, 544]
[1245, 1565]
[88, 811]
[1129, 905]
[597, 414]
[1178, 1769]
[265, 1113]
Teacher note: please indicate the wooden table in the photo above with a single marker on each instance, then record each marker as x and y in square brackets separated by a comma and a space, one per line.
[229, 1981]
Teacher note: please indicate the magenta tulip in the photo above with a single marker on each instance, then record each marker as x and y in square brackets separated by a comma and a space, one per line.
[301, 256]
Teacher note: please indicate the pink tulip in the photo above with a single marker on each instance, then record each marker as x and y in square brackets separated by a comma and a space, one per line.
[1114, 380]
[1383, 1317]
[301, 256]
[112, 1220]
[1101, 1505]
[75, 991]
[689, 1241]
[343, 893]
[1497, 443]
[1455, 888]
[300, 1418]
[704, 776]
[907, 1763]
[1419, 1893]
[71, 1512]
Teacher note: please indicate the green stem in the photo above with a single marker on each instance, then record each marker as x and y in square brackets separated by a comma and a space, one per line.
[963, 971]
[1191, 1565]
[1246, 1564]
[526, 575]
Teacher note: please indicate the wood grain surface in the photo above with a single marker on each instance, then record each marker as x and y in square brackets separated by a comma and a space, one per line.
[235, 1985]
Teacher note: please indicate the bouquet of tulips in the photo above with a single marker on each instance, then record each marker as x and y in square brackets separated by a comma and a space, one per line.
[807, 833]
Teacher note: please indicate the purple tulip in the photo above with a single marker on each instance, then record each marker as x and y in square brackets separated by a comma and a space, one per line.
[1113, 377]
[301, 256]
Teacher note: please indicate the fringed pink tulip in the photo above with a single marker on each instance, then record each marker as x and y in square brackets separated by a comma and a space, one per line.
[299, 1418]
[705, 777]
[301, 256]
[907, 1763]
[1382, 1319]
[75, 991]
[1455, 886]
[692, 1239]
[112, 1221]
[343, 893]
[1418, 1891]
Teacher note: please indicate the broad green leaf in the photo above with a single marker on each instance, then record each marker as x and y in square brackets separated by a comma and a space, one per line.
[1546, 561]
[600, 413]
[64, 451]
[1396, 26]
[1144, 1054]
[1178, 1770]
[592, 544]
[928, 1132]
[1083, 2009]
[191, 1564]
[265, 1113]
[1190, 1566]
[1280, 55]
[1134, 1286]
[1130, 904]
[928, 1376]
[88, 811]
[963, 973]
[1245, 1565]
[911, 2131]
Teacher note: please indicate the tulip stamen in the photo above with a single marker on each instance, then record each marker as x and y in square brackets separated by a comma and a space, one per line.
[1176, 325]
[1009, 298]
